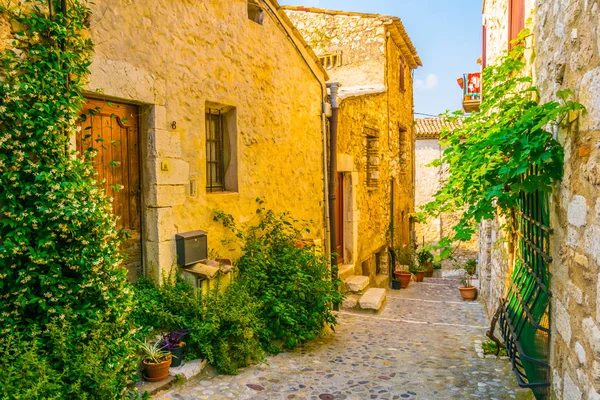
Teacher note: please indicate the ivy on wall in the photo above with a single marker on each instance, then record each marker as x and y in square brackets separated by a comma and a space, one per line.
[489, 158]
[59, 248]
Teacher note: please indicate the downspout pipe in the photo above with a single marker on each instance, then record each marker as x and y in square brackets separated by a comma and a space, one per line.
[333, 124]
[326, 112]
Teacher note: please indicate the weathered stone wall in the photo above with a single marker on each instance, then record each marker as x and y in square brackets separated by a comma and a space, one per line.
[427, 182]
[371, 213]
[567, 48]
[567, 37]
[495, 257]
[371, 98]
[400, 156]
[359, 41]
[176, 58]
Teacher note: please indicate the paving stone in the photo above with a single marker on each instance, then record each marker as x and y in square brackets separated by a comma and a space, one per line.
[421, 346]
[356, 283]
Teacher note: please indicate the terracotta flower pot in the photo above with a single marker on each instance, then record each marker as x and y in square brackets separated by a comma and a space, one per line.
[468, 293]
[419, 276]
[403, 277]
[157, 372]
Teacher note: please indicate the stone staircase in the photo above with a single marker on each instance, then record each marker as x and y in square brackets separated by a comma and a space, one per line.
[358, 293]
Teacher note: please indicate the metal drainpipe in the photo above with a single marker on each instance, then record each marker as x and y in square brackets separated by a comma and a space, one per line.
[333, 121]
[324, 116]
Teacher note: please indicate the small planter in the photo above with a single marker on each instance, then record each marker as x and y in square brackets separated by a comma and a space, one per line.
[157, 372]
[177, 353]
[468, 293]
[395, 284]
[404, 278]
[419, 276]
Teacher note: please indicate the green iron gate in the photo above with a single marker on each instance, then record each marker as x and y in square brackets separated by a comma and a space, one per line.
[524, 313]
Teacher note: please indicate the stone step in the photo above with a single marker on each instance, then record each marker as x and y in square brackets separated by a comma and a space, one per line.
[356, 283]
[373, 299]
[351, 301]
[345, 271]
[382, 281]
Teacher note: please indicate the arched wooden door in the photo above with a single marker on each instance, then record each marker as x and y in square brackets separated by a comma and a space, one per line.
[113, 130]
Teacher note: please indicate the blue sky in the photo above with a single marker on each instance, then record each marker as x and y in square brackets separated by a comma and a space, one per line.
[446, 33]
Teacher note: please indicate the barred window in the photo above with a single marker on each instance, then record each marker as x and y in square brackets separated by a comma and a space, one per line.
[403, 148]
[215, 167]
[401, 75]
[372, 151]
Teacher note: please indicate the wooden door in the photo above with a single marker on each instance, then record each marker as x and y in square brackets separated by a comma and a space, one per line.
[339, 218]
[113, 131]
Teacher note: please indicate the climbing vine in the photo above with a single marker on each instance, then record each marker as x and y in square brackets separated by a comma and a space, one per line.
[490, 156]
[63, 292]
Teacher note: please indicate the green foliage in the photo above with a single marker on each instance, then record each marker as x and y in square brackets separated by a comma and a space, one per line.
[504, 149]
[490, 347]
[229, 333]
[424, 255]
[406, 255]
[293, 285]
[224, 324]
[57, 364]
[59, 254]
[154, 352]
[471, 266]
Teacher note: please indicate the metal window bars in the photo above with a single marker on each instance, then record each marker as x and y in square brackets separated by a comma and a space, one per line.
[524, 313]
[215, 166]
[372, 157]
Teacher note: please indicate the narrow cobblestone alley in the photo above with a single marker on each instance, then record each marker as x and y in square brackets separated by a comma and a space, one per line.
[422, 346]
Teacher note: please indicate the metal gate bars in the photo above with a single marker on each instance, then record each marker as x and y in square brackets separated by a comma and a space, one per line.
[524, 313]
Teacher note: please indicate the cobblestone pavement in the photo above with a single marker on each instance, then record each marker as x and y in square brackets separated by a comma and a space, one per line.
[422, 346]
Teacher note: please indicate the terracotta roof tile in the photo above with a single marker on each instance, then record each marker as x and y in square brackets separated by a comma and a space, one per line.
[429, 128]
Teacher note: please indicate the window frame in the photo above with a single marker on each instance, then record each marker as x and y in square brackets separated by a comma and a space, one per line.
[401, 77]
[219, 141]
[372, 136]
[403, 147]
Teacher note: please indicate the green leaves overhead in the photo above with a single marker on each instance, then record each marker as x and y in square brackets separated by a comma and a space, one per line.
[505, 148]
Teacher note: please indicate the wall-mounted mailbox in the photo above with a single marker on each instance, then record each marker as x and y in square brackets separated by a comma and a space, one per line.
[192, 247]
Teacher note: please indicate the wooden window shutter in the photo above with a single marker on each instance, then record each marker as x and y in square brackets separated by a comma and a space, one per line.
[483, 46]
[516, 20]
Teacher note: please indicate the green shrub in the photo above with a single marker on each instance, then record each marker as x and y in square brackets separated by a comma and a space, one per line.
[59, 248]
[55, 365]
[293, 284]
[224, 325]
[229, 332]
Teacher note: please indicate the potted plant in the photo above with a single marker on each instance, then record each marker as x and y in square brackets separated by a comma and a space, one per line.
[418, 271]
[173, 343]
[407, 262]
[468, 291]
[396, 284]
[403, 276]
[157, 361]
[425, 259]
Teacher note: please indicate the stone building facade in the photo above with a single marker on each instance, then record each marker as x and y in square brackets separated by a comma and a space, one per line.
[372, 58]
[173, 74]
[567, 47]
[428, 181]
